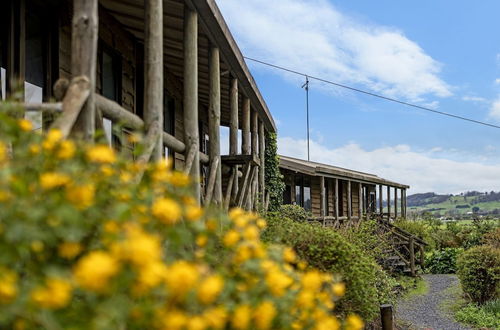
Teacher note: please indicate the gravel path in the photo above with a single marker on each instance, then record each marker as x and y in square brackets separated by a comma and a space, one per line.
[426, 311]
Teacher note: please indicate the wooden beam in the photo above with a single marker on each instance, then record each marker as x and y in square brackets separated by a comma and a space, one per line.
[349, 200]
[322, 206]
[389, 201]
[229, 189]
[255, 132]
[245, 124]
[395, 202]
[244, 185]
[83, 60]
[233, 125]
[380, 200]
[190, 159]
[336, 198]
[211, 180]
[191, 130]
[214, 124]
[255, 152]
[262, 149]
[360, 200]
[153, 73]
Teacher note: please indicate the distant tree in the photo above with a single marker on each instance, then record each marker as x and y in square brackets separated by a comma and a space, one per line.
[475, 209]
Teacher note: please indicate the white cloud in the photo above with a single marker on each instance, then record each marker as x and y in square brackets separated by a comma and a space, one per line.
[316, 38]
[474, 99]
[400, 163]
[497, 81]
[495, 110]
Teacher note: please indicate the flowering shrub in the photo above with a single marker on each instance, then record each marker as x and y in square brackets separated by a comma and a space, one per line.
[84, 245]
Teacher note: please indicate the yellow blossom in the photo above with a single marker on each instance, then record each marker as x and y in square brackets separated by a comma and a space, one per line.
[196, 323]
[66, 150]
[25, 125]
[181, 277]
[264, 314]
[328, 323]
[201, 240]
[243, 253]
[56, 294]
[172, 319]
[51, 180]
[251, 233]
[151, 274]
[111, 227]
[261, 223]
[305, 299]
[94, 270]
[211, 224]
[210, 289]
[107, 170]
[231, 238]
[241, 317]
[140, 247]
[37, 246]
[312, 280]
[289, 255]
[82, 197]
[101, 154]
[179, 179]
[166, 210]
[69, 250]
[4, 153]
[52, 138]
[235, 213]
[354, 322]
[125, 177]
[216, 317]
[4, 196]
[193, 213]
[34, 149]
[278, 282]
[8, 287]
[338, 289]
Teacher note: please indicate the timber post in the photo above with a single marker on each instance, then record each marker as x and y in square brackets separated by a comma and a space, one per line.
[84, 37]
[395, 203]
[255, 153]
[245, 127]
[388, 203]
[387, 318]
[322, 196]
[360, 200]
[233, 132]
[349, 200]
[380, 200]
[262, 155]
[191, 133]
[214, 121]
[336, 199]
[412, 256]
[153, 74]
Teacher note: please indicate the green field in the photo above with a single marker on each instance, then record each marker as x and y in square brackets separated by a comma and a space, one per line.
[459, 206]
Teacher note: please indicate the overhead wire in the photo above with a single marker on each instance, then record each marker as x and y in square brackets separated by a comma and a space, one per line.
[372, 93]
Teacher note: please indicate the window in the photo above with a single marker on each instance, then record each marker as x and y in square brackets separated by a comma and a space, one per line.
[303, 192]
[110, 63]
[169, 120]
[307, 194]
[287, 195]
[298, 190]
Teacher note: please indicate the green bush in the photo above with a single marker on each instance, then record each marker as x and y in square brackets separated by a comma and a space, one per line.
[294, 212]
[479, 271]
[492, 238]
[442, 261]
[370, 238]
[273, 177]
[485, 316]
[329, 251]
[421, 228]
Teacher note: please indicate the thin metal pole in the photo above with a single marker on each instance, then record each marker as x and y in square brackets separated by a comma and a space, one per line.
[306, 86]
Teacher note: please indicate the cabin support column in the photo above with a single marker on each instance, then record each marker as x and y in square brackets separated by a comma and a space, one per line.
[349, 201]
[336, 182]
[322, 196]
[233, 132]
[191, 133]
[388, 202]
[153, 71]
[245, 127]
[403, 199]
[262, 148]
[395, 202]
[360, 198]
[255, 153]
[83, 61]
[214, 122]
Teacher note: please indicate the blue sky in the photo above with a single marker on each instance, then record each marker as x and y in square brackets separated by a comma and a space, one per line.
[440, 54]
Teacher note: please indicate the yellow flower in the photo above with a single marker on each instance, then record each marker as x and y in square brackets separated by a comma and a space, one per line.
[172, 319]
[231, 238]
[51, 180]
[107, 170]
[312, 280]
[151, 274]
[69, 250]
[196, 323]
[25, 125]
[328, 323]
[243, 253]
[201, 240]
[209, 289]
[66, 150]
[338, 289]
[181, 277]
[34, 149]
[94, 270]
[102, 154]
[193, 213]
[140, 247]
[81, 197]
[264, 314]
[289, 255]
[8, 288]
[305, 299]
[261, 223]
[166, 210]
[179, 179]
[56, 294]
[3, 152]
[111, 227]
[235, 213]
[241, 317]
[37, 246]
[211, 224]
[354, 322]
[278, 282]
[251, 233]
[216, 317]
[52, 138]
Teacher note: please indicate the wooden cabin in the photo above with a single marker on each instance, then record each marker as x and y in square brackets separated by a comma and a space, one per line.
[334, 194]
[170, 69]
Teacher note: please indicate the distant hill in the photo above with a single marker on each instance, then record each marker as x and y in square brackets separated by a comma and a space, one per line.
[482, 203]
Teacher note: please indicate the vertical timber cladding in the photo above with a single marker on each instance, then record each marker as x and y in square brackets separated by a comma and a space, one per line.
[316, 196]
[113, 36]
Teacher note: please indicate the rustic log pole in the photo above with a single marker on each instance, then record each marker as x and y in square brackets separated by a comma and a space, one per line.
[212, 177]
[83, 60]
[388, 202]
[322, 196]
[255, 152]
[214, 122]
[386, 315]
[191, 130]
[118, 115]
[60, 88]
[190, 159]
[422, 256]
[230, 186]
[40, 107]
[412, 255]
[233, 130]
[262, 156]
[243, 186]
[404, 204]
[349, 201]
[360, 200]
[251, 190]
[73, 102]
[245, 127]
[153, 72]
[336, 199]
[149, 145]
[395, 203]
[380, 200]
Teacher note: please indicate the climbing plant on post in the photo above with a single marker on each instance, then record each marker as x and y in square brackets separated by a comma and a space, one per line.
[273, 178]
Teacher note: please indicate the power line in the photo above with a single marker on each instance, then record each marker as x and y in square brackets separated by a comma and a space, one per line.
[372, 94]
